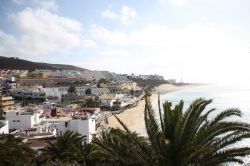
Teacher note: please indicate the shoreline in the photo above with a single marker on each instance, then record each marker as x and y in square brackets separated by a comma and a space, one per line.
[134, 117]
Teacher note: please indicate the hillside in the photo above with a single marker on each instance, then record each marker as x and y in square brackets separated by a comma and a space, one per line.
[20, 64]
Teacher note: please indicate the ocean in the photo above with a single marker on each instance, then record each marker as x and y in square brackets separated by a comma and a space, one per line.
[223, 97]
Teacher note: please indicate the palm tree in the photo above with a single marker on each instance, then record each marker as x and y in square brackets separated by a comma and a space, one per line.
[88, 91]
[178, 138]
[72, 89]
[1, 124]
[69, 148]
[122, 147]
[193, 137]
[13, 151]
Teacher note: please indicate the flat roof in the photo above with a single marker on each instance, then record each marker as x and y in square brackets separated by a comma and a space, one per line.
[60, 119]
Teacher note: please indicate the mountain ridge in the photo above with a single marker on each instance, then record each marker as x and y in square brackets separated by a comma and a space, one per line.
[14, 63]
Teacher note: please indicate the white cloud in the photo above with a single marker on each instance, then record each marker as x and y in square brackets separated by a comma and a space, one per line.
[42, 32]
[109, 14]
[109, 37]
[41, 21]
[174, 2]
[126, 16]
[46, 4]
[195, 52]
[89, 44]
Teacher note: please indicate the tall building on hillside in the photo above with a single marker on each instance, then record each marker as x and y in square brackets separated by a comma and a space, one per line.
[6, 103]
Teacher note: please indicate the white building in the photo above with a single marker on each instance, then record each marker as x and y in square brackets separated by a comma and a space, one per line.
[108, 99]
[80, 91]
[99, 91]
[84, 126]
[23, 119]
[5, 128]
[66, 73]
[55, 92]
[107, 102]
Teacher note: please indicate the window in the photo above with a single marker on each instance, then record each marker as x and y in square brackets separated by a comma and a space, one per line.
[18, 121]
[66, 124]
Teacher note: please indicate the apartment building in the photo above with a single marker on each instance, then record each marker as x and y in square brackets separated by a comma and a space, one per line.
[6, 103]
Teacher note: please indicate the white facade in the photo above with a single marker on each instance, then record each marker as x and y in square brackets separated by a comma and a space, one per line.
[86, 126]
[108, 99]
[99, 91]
[107, 102]
[66, 73]
[80, 90]
[55, 91]
[23, 120]
[5, 128]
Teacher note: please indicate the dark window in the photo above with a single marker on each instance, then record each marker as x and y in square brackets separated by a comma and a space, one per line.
[66, 124]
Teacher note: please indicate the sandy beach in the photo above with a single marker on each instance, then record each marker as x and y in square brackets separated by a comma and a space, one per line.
[134, 117]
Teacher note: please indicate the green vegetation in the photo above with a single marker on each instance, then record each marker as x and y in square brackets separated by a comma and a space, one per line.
[66, 102]
[102, 80]
[179, 138]
[88, 91]
[1, 124]
[148, 83]
[90, 102]
[1, 115]
[14, 152]
[72, 90]
[192, 138]
[68, 148]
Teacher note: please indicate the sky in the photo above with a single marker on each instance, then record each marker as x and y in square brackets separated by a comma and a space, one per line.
[196, 40]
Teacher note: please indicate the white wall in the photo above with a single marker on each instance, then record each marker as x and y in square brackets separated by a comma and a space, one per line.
[55, 91]
[5, 128]
[83, 127]
[19, 121]
[107, 102]
[92, 128]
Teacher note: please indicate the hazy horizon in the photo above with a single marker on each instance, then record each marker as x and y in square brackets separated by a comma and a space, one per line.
[198, 41]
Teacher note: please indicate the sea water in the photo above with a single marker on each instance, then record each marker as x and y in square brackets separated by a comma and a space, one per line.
[223, 96]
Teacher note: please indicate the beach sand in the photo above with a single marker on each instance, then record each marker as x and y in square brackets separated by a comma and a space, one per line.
[134, 117]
